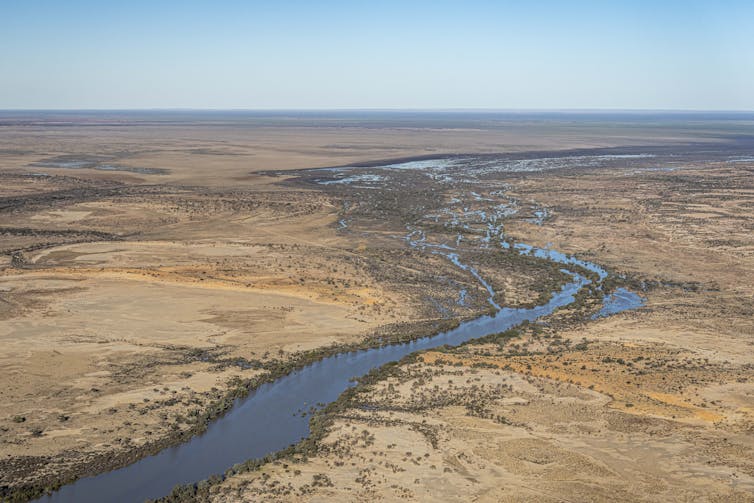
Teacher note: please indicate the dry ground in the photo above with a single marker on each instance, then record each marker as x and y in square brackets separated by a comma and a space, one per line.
[148, 274]
[150, 271]
[652, 405]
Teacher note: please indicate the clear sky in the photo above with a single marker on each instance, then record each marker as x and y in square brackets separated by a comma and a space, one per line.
[660, 54]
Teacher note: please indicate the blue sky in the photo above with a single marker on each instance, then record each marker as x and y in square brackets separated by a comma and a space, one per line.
[377, 54]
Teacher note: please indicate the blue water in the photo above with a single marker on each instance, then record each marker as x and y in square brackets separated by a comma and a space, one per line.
[620, 300]
[270, 418]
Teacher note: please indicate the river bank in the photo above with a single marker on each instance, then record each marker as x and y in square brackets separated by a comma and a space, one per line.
[162, 293]
[119, 482]
[649, 406]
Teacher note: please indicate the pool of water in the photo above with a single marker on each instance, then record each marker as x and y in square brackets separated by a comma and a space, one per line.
[620, 300]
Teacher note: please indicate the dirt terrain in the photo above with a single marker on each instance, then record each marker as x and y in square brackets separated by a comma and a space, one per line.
[153, 269]
[650, 405]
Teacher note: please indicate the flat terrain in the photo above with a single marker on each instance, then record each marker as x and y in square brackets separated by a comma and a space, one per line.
[155, 266]
[652, 405]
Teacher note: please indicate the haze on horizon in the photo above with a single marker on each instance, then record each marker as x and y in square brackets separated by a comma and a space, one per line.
[581, 54]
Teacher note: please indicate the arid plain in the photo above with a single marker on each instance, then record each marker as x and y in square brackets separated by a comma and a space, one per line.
[156, 266]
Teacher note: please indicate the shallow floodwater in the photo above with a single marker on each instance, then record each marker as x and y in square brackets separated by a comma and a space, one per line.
[270, 418]
[620, 300]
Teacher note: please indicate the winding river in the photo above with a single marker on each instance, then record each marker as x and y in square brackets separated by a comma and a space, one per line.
[270, 418]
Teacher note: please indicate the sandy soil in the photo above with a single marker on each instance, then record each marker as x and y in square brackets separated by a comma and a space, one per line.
[152, 270]
[652, 405]
[148, 277]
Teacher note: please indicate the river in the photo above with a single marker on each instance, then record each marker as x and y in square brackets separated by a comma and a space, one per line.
[270, 418]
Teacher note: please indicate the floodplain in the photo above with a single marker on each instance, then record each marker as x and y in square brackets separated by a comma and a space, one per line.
[157, 266]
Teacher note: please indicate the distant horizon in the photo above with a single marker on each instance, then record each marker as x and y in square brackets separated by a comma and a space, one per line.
[380, 109]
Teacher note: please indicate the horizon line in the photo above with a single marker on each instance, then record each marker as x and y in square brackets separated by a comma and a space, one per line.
[382, 109]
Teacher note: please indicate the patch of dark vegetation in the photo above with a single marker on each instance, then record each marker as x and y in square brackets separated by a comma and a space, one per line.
[45, 238]
[55, 198]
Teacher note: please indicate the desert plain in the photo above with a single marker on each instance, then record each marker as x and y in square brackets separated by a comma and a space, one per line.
[155, 267]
